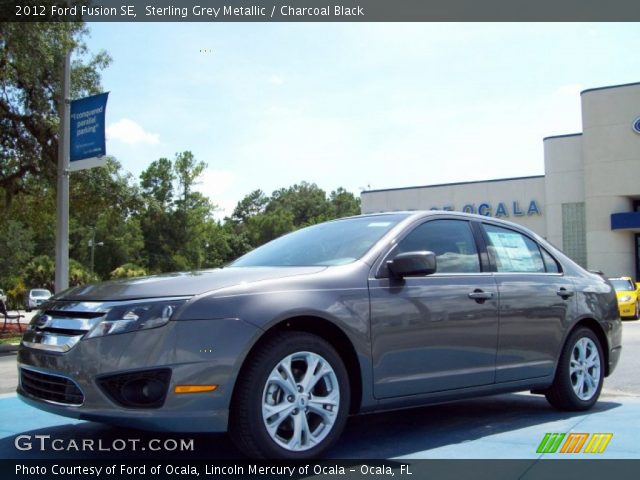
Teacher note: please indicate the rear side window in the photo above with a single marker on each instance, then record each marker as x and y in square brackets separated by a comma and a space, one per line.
[513, 252]
[451, 240]
[550, 263]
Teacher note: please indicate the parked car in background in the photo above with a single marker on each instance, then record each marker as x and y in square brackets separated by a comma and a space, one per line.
[36, 297]
[627, 293]
[3, 296]
[361, 314]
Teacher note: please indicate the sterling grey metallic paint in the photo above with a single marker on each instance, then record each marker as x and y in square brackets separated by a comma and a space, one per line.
[420, 340]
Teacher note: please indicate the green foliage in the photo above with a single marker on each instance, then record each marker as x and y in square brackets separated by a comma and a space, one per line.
[251, 205]
[157, 183]
[258, 219]
[16, 294]
[78, 275]
[176, 228]
[31, 55]
[107, 221]
[40, 273]
[343, 203]
[128, 270]
[16, 248]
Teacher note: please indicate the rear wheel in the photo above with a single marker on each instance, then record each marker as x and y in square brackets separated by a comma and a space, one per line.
[292, 400]
[580, 373]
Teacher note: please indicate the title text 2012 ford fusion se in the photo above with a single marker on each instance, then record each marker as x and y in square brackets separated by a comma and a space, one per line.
[355, 315]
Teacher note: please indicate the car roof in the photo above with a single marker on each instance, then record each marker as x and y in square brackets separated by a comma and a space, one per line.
[416, 214]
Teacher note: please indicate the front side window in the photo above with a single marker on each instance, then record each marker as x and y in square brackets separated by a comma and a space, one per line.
[451, 240]
[513, 252]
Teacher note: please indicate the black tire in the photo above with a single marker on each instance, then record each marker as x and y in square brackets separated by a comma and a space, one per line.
[253, 391]
[637, 314]
[562, 394]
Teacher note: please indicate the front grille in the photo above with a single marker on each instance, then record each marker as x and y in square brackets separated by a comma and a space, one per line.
[51, 388]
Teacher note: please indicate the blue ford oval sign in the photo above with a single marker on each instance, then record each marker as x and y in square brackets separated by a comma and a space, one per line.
[636, 125]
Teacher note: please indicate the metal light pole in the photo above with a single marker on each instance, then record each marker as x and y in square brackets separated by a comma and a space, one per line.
[62, 203]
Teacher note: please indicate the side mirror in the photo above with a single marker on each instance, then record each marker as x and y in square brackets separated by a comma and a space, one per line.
[412, 263]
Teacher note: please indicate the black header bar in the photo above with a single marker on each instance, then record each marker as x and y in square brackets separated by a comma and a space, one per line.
[320, 10]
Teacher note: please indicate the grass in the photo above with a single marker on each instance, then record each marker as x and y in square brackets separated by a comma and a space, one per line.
[10, 339]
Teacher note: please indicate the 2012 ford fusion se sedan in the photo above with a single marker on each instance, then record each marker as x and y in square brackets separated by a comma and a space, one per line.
[355, 315]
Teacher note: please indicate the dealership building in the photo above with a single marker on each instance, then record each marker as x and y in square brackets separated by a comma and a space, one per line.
[587, 202]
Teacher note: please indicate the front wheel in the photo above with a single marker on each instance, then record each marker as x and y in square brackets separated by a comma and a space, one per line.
[580, 373]
[292, 398]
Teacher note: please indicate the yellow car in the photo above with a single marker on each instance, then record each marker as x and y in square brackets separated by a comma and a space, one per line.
[627, 294]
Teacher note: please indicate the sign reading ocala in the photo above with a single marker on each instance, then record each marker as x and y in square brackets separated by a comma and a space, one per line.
[501, 209]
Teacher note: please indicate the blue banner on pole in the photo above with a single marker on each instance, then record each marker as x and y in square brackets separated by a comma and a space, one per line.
[87, 131]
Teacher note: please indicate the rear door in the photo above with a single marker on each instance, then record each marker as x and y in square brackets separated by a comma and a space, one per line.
[536, 301]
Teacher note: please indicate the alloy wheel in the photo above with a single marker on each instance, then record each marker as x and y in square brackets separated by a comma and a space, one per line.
[300, 401]
[584, 368]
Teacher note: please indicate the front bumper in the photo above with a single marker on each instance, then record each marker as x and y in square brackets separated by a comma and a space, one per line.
[197, 352]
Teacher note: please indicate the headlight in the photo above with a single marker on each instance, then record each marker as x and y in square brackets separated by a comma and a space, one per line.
[135, 316]
[625, 298]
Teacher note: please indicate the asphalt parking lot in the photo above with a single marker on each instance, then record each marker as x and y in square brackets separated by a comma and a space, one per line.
[506, 426]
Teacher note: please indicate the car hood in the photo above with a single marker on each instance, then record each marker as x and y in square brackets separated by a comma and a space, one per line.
[180, 284]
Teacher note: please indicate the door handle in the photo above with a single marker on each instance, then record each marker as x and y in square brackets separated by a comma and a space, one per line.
[564, 293]
[480, 296]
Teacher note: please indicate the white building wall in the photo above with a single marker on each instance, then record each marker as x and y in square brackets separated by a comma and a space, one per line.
[456, 196]
[611, 154]
[564, 180]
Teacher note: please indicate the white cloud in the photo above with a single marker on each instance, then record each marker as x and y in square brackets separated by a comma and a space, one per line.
[216, 184]
[127, 131]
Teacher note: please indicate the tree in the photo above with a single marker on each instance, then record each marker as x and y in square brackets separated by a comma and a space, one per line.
[306, 202]
[179, 232]
[16, 249]
[157, 182]
[40, 273]
[187, 171]
[344, 203]
[251, 205]
[31, 56]
[103, 205]
[78, 275]
[258, 219]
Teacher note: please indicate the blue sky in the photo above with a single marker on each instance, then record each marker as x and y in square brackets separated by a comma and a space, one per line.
[364, 105]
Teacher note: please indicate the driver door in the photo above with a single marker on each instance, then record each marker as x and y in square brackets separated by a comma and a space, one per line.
[428, 334]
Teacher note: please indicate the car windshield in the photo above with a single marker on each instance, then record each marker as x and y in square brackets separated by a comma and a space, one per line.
[40, 293]
[332, 243]
[622, 285]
